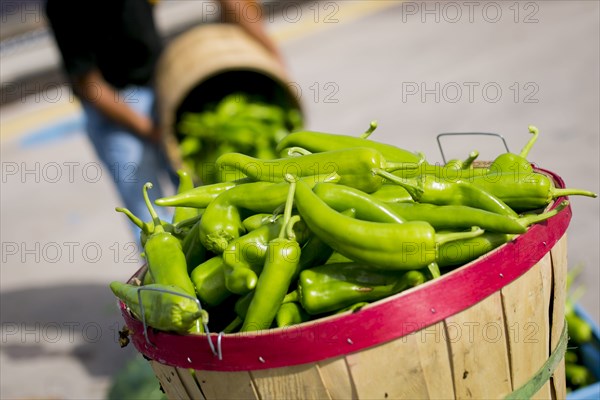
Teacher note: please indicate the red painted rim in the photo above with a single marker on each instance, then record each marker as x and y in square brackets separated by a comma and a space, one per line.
[380, 322]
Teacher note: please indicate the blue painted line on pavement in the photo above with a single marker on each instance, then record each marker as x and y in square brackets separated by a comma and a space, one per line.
[60, 130]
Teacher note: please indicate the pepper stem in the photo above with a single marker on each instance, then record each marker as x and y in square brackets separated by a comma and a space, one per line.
[297, 151]
[415, 191]
[571, 192]
[534, 218]
[391, 166]
[157, 222]
[144, 226]
[187, 222]
[289, 228]
[466, 164]
[533, 130]
[180, 227]
[434, 270]
[289, 203]
[463, 164]
[233, 325]
[367, 133]
[441, 238]
[291, 297]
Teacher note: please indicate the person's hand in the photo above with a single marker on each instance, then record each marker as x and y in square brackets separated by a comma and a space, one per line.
[113, 107]
[148, 130]
[155, 136]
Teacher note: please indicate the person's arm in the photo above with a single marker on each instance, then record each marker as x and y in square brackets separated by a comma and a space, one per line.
[236, 11]
[92, 87]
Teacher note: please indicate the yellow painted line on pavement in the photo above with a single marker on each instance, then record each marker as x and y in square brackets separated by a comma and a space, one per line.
[319, 17]
[36, 119]
[327, 15]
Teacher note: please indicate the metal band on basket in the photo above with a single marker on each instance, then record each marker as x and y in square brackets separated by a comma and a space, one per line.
[545, 372]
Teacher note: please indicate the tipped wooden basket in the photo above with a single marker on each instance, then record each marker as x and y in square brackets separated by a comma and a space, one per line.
[493, 328]
[207, 63]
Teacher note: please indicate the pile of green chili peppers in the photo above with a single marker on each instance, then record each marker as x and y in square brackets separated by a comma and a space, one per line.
[239, 122]
[332, 224]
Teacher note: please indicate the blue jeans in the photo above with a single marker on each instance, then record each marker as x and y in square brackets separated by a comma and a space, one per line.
[131, 160]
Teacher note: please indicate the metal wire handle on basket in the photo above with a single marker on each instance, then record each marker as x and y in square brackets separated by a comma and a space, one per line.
[216, 352]
[467, 134]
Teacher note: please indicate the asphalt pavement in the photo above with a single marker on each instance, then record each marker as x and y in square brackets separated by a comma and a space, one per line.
[418, 68]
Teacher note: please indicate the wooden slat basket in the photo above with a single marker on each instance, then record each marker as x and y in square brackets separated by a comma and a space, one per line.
[482, 331]
[208, 62]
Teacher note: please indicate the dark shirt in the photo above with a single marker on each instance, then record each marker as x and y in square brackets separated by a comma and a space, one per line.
[118, 37]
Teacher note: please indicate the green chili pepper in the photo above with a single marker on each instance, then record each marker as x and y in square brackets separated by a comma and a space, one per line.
[272, 284]
[463, 217]
[435, 190]
[237, 123]
[186, 183]
[209, 280]
[164, 254]
[221, 223]
[331, 287]
[255, 221]
[195, 252]
[242, 304]
[571, 356]
[516, 163]
[357, 167]
[391, 193]
[245, 256]
[283, 256]
[530, 192]
[391, 246]
[291, 314]
[463, 251]
[341, 197]
[318, 142]
[580, 331]
[315, 251]
[164, 309]
[222, 219]
[578, 375]
[200, 196]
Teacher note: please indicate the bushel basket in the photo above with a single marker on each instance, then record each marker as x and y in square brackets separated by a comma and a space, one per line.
[493, 328]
